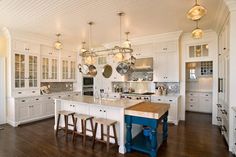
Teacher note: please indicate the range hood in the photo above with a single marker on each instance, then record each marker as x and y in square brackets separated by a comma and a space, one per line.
[143, 64]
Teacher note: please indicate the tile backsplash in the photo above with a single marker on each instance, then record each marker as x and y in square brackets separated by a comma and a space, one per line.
[58, 86]
[172, 87]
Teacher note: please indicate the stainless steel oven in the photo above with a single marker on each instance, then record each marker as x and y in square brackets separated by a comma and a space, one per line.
[88, 86]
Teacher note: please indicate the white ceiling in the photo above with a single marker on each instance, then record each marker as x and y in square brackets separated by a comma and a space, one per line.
[70, 17]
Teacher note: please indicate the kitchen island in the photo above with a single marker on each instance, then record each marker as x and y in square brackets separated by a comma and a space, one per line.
[114, 109]
[104, 108]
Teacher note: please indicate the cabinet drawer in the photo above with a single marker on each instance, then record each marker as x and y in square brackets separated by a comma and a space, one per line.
[192, 99]
[192, 107]
[157, 99]
[207, 95]
[192, 94]
[26, 93]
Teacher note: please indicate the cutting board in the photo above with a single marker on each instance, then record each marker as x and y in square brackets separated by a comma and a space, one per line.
[148, 110]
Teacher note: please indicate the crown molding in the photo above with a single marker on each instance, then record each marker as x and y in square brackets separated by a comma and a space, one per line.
[170, 36]
[231, 4]
[221, 16]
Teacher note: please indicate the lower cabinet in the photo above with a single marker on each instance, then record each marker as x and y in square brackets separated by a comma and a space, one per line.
[174, 102]
[199, 102]
[234, 130]
[29, 109]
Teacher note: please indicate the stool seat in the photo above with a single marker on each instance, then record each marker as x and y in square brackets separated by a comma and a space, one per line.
[83, 116]
[66, 113]
[104, 121]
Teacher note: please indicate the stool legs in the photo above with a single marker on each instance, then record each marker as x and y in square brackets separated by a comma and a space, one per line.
[84, 132]
[75, 129]
[115, 135]
[94, 134]
[108, 138]
[58, 121]
[66, 126]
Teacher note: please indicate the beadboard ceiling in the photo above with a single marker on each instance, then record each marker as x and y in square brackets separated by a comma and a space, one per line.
[70, 17]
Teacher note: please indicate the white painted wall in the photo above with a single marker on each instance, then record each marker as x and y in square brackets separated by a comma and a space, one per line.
[2, 91]
[209, 37]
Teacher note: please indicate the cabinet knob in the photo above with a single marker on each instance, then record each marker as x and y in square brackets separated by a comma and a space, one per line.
[37, 99]
[19, 92]
[104, 110]
[22, 100]
[50, 97]
[100, 110]
[170, 100]
[33, 91]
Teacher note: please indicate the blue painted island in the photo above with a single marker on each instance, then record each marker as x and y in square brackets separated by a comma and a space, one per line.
[149, 115]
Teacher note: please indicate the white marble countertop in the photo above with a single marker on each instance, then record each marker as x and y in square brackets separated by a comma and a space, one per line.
[121, 103]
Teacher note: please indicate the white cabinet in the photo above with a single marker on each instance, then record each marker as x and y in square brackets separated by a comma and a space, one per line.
[167, 67]
[49, 64]
[234, 130]
[174, 102]
[28, 110]
[68, 66]
[199, 102]
[143, 51]
[26, 47]
[25, 69]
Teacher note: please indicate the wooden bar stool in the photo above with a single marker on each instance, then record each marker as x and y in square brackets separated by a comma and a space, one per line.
[66, 115]
[84, 118]
[108, 123]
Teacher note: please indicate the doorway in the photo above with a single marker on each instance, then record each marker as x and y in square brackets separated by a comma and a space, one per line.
[199, 87]
[2, 91]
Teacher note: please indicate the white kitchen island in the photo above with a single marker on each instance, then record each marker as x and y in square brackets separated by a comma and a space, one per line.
[113, 109]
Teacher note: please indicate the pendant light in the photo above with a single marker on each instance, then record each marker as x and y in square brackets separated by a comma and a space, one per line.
[83, 50]
[89, 55]
[58, 45]
[127, 43]
[196, 12]
[197, 33]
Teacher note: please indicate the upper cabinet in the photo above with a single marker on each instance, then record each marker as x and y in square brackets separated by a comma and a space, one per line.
[49, 64]
[196, 51]
[68, 66]
[224, 39]
[26, 68]
[166, 62]
[57, 65]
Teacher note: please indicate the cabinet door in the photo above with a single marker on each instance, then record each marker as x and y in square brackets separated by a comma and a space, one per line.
[97, 111]
[172, 64]
[72, 70]
[54, 69]
[82, 108]
[45, 68]
[36, 110]
[20, 70]
[50, 108]
[65, 69]
[33, 71]
[23, 111]
[161, 67]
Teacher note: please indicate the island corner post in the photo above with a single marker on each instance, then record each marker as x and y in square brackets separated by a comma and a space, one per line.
[140, 142]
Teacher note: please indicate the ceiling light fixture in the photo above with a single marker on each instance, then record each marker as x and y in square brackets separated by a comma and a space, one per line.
[88, 55]
[196, 12]
[197, 33]
[58, 45]
[119, 56]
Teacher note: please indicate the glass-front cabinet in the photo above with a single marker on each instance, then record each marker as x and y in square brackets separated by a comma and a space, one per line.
[198, 51]
[68, 70]
[49, 66]
[26, 70]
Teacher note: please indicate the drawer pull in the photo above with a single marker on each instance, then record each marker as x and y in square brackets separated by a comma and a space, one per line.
[170, 100]
[68, 95]
[37, 99]
[49, 97]
[159, 99]
[33, 91]
[22, 100]
[19, 92]
[59, 96]
[104, 110]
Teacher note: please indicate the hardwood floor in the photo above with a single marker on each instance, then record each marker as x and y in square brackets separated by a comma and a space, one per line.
[194, 138]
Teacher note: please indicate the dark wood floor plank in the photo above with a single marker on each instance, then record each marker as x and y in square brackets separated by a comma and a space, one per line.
[194, 138]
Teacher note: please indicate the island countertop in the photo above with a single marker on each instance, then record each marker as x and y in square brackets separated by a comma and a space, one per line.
[121, 103]
[148, 110]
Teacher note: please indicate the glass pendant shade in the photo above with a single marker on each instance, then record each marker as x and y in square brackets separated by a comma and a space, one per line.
[58, 45]
[196, 12]
[119, 56]
[89, 60]
[197, 33]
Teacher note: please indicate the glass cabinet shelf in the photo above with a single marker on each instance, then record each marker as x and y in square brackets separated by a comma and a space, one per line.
[198, 51]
